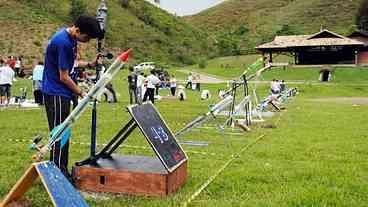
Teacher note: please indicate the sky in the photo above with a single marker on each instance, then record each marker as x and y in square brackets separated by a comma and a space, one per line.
[186, 7]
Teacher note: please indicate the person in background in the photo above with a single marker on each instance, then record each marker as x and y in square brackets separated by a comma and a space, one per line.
[18, 66]
[282, 86]
[6, 79]
[37, 76]
[144, 87]
[140, 84]
[181, 93]
[194, 83]
[278, 86]
[221, 93]
[189, 81]
[205, 95]
[157, 87]
[109, 87]
[11, 62]
[275, 87]
[172, 85]
[198, 84]
[160, 76]
[132, 85]
[151, 85]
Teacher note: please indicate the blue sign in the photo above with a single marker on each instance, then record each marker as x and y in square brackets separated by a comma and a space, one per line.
[62, 193]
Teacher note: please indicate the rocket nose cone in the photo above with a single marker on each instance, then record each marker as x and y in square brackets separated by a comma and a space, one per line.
[125, 55]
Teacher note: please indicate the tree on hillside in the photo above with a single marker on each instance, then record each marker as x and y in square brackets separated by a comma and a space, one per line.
[77, 8]
[125, 3]
[228, 44]
[285, 29]
[241, 30]
[362, 16]
[202, 63]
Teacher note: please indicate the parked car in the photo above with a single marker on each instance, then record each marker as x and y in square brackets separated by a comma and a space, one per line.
[144, 66]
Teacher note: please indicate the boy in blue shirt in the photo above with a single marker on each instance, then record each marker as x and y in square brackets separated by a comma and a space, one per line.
[58, 86]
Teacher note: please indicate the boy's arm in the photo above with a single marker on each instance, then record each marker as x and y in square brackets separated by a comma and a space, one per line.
[83, 63]
[65, 78]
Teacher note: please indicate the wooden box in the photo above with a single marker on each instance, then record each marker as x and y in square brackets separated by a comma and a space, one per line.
[134, 175]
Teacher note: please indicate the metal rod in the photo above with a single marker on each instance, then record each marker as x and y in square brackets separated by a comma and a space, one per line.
[122, 139]
[116, 137]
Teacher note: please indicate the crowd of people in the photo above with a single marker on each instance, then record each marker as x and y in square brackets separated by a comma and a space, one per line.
[8, 76]
[144, 87]
[15, 63]
[277, 86]
[141, 87]
[12, 67]
[193, 82]
[279, 94]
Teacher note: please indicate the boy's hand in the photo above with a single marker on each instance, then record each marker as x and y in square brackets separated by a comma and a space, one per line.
[97, 60]
[83, 94]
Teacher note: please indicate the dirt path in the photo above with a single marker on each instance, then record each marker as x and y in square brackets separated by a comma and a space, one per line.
[205, 78]
[208, 78]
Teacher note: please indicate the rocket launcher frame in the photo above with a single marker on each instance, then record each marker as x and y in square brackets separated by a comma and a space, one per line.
[214, 110]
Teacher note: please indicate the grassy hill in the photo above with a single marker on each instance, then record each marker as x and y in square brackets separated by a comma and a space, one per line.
[231, 28]
[154, 34]
[251, 22]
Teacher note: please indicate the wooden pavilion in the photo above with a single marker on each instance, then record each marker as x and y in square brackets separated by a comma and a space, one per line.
[324, 47]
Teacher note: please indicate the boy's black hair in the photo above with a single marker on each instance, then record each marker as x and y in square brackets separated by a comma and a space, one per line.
[89, 25]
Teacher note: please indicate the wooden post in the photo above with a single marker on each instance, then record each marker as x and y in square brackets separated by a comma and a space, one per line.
[295, 57]
[21, 186]
[271, 57]
[356, 57]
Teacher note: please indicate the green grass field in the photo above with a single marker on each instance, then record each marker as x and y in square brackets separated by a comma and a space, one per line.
[316, 155]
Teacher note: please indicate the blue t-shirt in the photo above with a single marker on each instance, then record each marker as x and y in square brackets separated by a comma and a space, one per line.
[60, 54]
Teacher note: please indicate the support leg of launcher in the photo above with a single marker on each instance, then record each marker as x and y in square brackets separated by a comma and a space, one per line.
[241, 125]
[60, 191]
[212, 113]
[275, 106]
